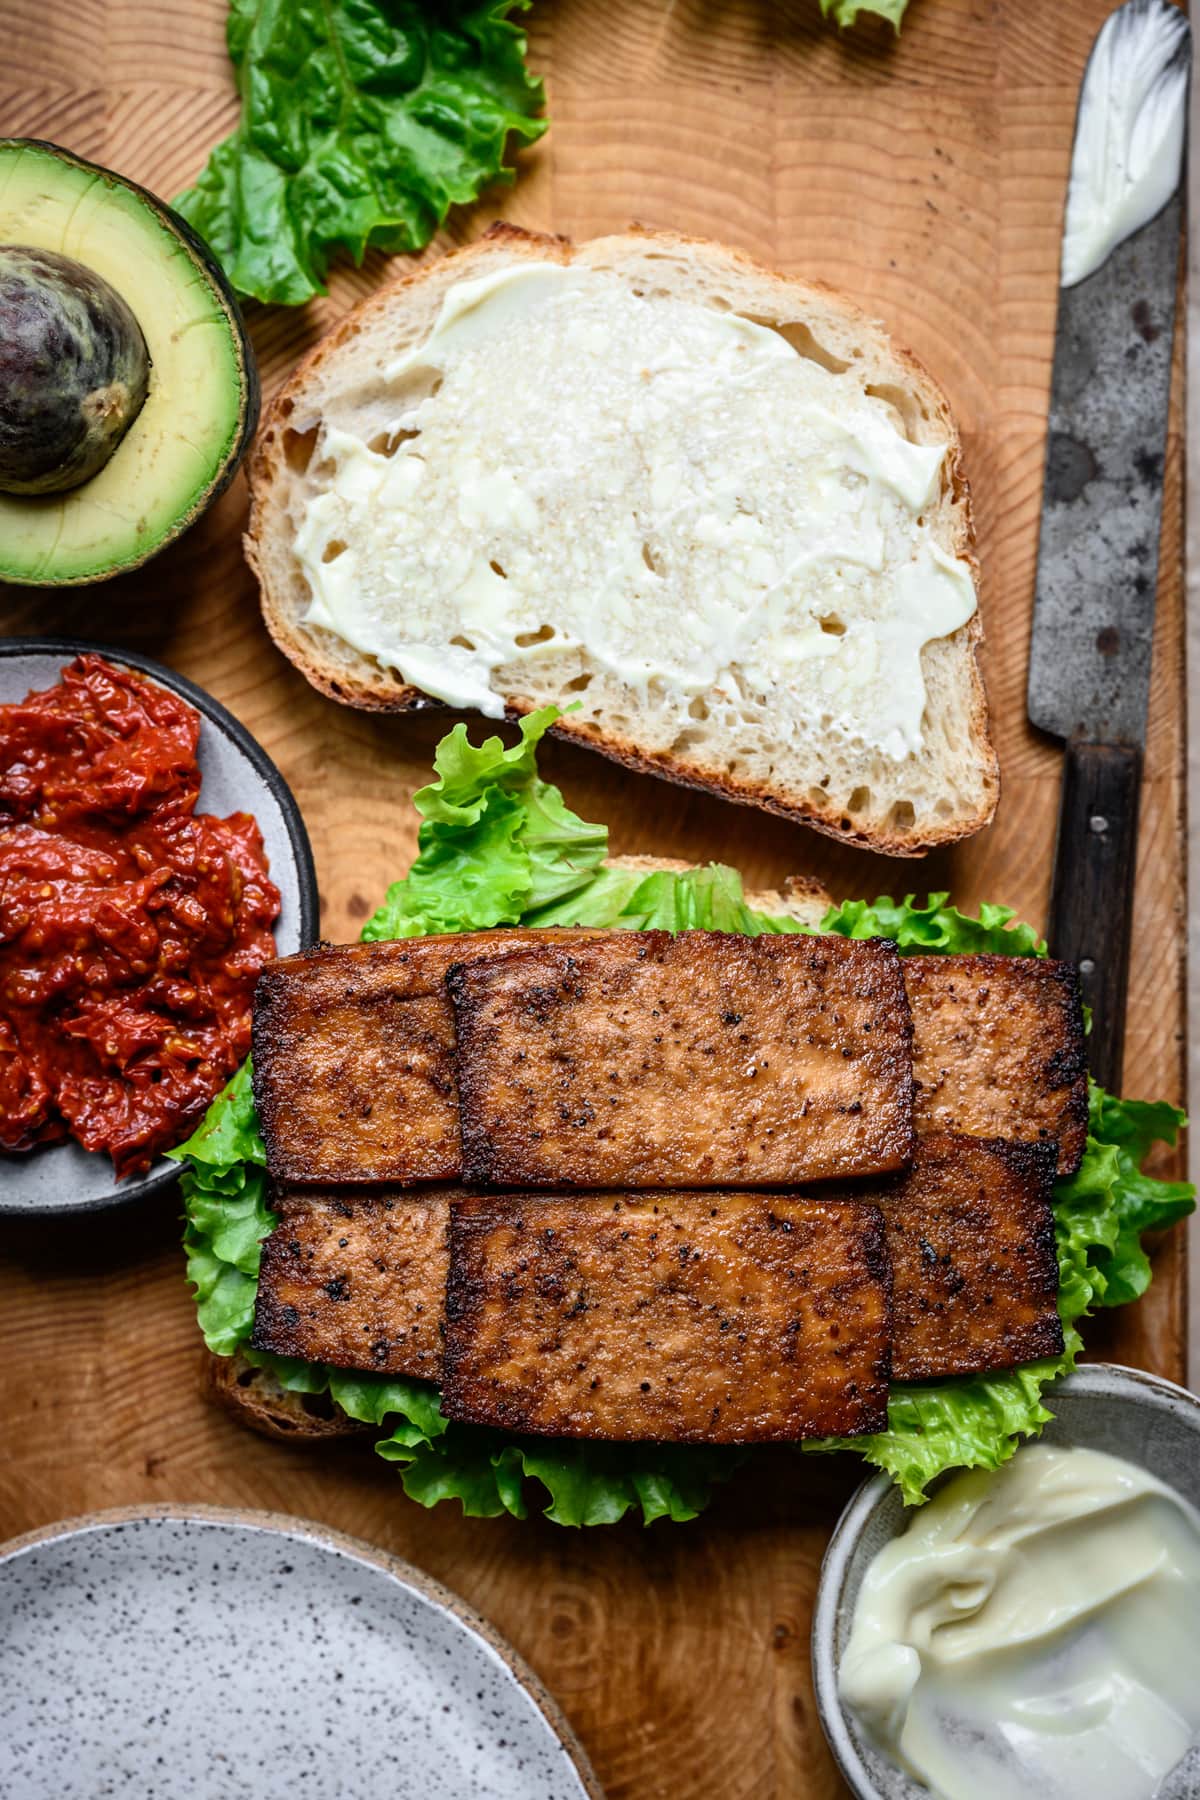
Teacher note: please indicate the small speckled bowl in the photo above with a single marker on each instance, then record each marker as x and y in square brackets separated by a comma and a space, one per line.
[1125, 1412]
[190, 1653]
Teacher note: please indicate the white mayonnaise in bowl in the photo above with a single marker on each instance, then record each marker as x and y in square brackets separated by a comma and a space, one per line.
[1147, 1423]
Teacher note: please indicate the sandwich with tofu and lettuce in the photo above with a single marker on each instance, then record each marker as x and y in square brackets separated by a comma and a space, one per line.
[1031, 1234]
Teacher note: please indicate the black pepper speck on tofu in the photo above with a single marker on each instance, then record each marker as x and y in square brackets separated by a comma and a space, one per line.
[970, 1235]
[999, 1049]
[567, 1317]
[356, 1278]
[614, 1063]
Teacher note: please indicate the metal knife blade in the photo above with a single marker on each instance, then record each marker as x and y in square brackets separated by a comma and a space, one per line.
[1093, 611]
[1097, 571]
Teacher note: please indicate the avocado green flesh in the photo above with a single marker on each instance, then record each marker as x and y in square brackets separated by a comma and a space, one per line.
[178, 447]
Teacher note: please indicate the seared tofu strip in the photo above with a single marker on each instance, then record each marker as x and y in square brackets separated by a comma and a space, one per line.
[356, 1279]
[998, 1049]
[970, 1231]
[718, 1318]
[639, 1060]
[354, 1058]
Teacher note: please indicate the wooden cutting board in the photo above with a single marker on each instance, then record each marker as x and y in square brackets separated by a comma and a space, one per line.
[926, 177]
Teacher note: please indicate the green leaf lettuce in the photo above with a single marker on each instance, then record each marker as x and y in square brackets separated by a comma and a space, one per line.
[935, 927]
[362, 123]
[495, 842]
[845, 12]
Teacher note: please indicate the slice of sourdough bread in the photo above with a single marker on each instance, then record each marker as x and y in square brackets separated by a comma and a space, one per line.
[753, 734]
[254, 1396]
[257, 1399]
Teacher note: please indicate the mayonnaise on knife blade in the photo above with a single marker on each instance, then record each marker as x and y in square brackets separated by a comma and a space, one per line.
[1129, 132]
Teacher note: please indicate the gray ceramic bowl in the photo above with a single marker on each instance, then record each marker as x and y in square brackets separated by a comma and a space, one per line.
[192, 1653]
[1147, 1421]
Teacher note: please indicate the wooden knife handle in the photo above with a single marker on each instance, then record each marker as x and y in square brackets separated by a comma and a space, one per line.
[1091, 906]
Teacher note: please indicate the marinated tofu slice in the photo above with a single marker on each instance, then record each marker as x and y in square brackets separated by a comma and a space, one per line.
[716, 1318]
[999, 1050]
[970, 1232]
[356, 1279]
[354, 1058]
[641, 1060]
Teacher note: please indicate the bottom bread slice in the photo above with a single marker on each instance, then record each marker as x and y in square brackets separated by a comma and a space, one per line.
[684, 1317]
[356, 1278]
[970, 1234]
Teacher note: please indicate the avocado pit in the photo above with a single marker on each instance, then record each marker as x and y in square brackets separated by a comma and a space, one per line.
[74, 371]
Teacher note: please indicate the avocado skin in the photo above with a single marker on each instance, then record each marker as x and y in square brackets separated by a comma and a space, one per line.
[74, 371]
[251, 393]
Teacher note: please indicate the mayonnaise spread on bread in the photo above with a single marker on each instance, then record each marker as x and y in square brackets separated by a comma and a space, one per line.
[1033, 1634]
[593, 478]
[1129, 133]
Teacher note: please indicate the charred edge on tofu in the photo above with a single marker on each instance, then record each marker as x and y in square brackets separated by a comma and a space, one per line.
[873, 974]
[1032, 1275]
[965, 981]
[513, 1274]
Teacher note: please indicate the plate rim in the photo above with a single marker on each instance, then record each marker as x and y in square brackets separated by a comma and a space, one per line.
[157, 1180]
[328, 1537]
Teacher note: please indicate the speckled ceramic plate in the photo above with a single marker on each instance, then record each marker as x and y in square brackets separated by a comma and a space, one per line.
[237, 776]
[186, 1653]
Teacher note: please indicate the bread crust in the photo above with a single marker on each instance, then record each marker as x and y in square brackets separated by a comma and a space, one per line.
[254, 1397]
[363, 683]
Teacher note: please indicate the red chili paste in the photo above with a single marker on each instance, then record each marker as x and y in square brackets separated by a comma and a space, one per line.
[132, 928]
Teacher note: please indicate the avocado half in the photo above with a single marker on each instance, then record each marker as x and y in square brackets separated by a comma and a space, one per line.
[108, 451]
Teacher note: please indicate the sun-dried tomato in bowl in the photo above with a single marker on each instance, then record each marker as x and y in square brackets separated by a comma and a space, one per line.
[132, 928]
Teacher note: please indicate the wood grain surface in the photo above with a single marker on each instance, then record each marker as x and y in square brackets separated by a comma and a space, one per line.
[925, 176]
